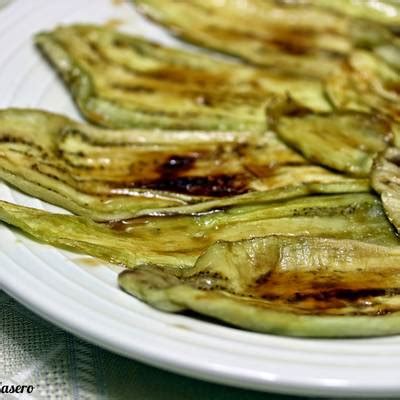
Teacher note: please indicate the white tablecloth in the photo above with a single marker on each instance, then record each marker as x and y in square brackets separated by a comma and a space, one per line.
[63, 367]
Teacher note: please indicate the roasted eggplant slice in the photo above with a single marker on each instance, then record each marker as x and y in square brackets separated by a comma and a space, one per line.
[178, 240]
[121, 81]
[346, 141]
[386, 181]
[365, 83]
[386, 12]
[109, 175]
[292, 36]
[298, 286]
[31, 160]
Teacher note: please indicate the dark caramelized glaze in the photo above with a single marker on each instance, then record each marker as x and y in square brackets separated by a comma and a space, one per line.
[329, 293]
[213, 186]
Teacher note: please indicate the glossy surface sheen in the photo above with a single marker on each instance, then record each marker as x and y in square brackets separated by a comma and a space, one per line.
[295, 286]
[118, 174]
[57, 285]
[386, 12]
[178, 240]
[295, 36]
[386, 181]
[122, 81]
[366, 84]
[346, 141]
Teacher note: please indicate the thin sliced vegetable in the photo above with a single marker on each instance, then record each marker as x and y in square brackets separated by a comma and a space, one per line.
[345, 141]
[121, 81]
[285, 285]
[108, 175]
[385, 180]
[366, 84]
[386, 12]
[296, 37]
[31, 160]
[178, 240]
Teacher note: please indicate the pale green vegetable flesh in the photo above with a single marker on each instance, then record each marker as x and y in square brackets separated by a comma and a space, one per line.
[386, 12]
[121, 81]
[293, 36]
[386, 181]
[267, 223]
[346, 141]
[31, 160]
[285, 285]
[366, 84]
[178, 240]
[108, 175]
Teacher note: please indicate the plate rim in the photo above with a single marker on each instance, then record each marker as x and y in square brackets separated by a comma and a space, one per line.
[199, 370]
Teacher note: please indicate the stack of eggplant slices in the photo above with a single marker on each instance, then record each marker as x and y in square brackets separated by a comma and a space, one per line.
[254, 178]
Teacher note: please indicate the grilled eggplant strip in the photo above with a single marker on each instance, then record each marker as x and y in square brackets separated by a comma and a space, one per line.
[264, 197]
[366, 84]
[298, 286]
[385, 180]
[346, 141]
[31, 161]
[83, 235]
[386, 12]
[261, 162]
[307, 43]
[121, 81]
[178, 240]
[115, 95]
[298, 38]
[109, 175]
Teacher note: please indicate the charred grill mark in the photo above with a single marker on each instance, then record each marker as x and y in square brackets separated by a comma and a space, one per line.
[317, 298]
[376, 309]
[133, 88]
[214, 186]
[173, 177]
[393, 87]
[168, 175]
[318, 293]
[296, 41]
[262, 279]
[62, 175]
[205, 95]
[96, 53]
[289, 42]
[15, 140]
[290, 46]
[343, 294]
[176, 164]
[119, 43]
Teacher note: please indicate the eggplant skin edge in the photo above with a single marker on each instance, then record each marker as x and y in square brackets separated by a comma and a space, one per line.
[207, 287]
[112, 114]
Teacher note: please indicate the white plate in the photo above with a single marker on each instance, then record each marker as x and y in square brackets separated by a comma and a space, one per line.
[85, 300]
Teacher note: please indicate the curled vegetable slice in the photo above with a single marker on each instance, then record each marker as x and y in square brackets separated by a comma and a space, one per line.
[366, 84]
[386, 181]
[122, 81]
[346, 141]
[296, 37]
[108, 175]
[31, 160]
[386, 12]
[285, 285]
[177, 240]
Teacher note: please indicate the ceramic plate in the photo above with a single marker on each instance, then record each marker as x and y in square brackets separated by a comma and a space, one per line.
[82, 296]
